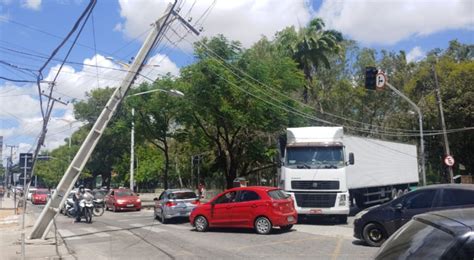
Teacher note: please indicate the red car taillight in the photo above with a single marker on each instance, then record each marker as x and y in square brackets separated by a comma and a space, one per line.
[276, 206]
[196, 202]
[170, 204]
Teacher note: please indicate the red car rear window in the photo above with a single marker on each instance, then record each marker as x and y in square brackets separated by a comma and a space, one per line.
[278, 194]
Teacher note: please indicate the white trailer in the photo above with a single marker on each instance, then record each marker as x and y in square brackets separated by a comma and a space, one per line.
[325, 170]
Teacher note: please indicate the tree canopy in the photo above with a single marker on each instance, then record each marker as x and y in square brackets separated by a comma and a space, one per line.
[238, 101]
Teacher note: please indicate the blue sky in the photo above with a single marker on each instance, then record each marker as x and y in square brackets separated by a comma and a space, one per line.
[27, 25]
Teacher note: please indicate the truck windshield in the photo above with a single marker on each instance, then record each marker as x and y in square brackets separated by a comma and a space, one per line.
[315, 157]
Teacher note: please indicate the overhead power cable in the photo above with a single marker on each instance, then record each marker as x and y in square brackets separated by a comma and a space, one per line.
[385, 131]
[312, 117]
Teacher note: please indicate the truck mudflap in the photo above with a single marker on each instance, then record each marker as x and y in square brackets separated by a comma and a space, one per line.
[314, 204]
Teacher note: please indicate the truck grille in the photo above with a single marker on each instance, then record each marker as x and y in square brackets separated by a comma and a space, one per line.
[315, 185]
[315, 200]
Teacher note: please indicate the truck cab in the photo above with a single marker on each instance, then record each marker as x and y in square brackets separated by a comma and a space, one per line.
[313, 170]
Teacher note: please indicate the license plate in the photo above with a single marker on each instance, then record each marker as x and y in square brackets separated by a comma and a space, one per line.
[316, 211]
[130, 205]
[291, 219]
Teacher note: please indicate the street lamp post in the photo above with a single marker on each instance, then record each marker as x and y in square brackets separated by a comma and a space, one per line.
[69, 139]
[171, 92]
[420, 121]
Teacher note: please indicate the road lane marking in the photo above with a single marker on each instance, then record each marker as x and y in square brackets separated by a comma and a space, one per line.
[117, 230]
[66, 234]
[153, 229]
[337, 251]
[137, 225]
[97, 232]
[279, 243]
[134, 219]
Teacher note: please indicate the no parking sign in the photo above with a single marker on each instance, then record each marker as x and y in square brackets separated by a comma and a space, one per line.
[449, 160]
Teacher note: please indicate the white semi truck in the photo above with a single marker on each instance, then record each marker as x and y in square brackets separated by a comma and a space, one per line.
[325, 171]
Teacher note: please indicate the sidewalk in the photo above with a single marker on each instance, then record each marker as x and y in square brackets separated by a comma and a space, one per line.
[10, 236]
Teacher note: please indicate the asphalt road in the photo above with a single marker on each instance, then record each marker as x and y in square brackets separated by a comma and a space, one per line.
[136, 235]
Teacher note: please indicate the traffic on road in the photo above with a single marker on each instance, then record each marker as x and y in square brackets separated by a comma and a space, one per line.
[241, 211]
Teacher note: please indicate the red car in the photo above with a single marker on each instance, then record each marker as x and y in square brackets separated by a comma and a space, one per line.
[39, 196]
[256, 207]
[122, 199]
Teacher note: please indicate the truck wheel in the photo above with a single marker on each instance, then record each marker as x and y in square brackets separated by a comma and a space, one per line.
[374, 234]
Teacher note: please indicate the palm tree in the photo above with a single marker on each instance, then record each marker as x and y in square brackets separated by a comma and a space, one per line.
[310, 48]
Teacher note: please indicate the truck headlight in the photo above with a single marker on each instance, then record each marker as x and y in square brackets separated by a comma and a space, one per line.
[342, 200]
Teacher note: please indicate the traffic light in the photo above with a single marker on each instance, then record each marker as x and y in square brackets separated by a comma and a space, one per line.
[370, 77]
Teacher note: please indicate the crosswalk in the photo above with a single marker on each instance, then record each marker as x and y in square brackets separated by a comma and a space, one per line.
[125, 229]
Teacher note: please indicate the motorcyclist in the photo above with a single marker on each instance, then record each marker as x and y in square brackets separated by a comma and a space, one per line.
[77, 198]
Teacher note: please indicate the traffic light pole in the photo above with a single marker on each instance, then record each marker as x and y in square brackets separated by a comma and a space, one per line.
[77, 164]
[420, 121]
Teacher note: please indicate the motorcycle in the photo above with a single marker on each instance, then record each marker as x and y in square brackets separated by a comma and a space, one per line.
[86, 207]
[99, 207]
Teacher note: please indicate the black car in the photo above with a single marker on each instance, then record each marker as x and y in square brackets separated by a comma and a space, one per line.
[447, 234]
[374, 225]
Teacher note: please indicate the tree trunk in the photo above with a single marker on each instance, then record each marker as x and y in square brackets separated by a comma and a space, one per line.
[167, 165]
[231, 169]
[230, 177]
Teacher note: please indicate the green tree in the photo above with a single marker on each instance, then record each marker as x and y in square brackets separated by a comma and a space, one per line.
[114, 143]
[156, 118]
[310, 47]
[224, 107]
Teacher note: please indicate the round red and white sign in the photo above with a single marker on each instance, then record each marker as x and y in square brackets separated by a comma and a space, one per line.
[380, 80]
[449, 160]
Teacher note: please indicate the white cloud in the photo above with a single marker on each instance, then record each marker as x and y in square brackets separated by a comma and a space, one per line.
[20, 103]
[17, 102]
[388, 22]
[32, 4]
[157, 66]
[118, 28]
[244, 20]
[415, 54]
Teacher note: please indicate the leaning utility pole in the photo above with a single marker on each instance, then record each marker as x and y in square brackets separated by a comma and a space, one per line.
[87, 147]
[443, 124]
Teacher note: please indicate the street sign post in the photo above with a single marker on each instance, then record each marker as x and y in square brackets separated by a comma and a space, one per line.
[380, 80]
[25, 163]
[449, 160]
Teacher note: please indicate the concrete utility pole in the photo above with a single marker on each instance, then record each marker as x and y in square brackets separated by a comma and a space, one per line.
[72, 173]
[25, 195]
[443, 124]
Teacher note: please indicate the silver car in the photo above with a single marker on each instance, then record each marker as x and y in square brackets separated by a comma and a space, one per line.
[175, 203]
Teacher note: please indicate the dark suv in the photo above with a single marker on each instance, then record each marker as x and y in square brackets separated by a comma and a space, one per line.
[374, 225]
[447, 234]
